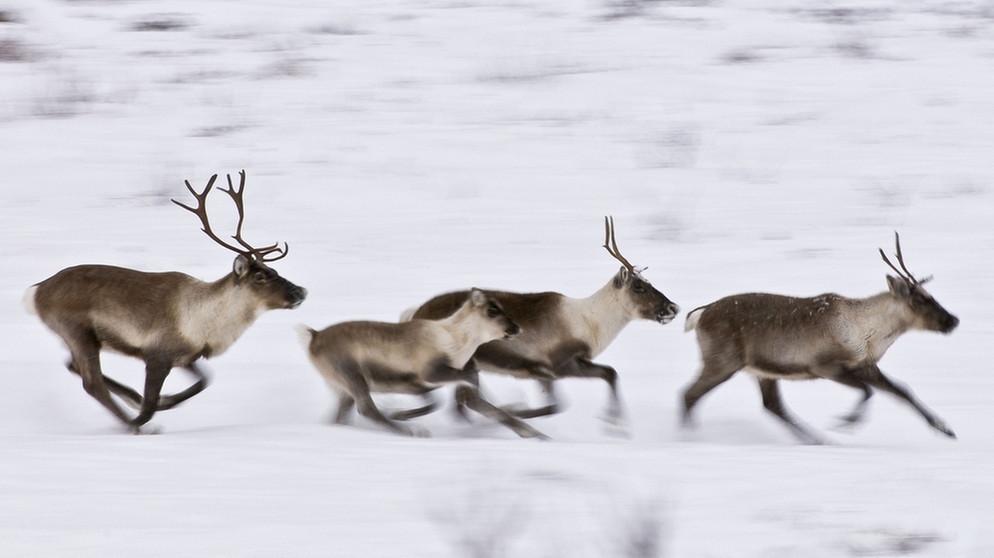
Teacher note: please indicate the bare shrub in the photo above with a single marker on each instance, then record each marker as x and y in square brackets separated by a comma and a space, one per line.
[641, 532]
[64, 94]
[340, 29]
[15, 50]
[741, 56]
[7, 16]
[160, 22]
[854, 48]
[482, 522]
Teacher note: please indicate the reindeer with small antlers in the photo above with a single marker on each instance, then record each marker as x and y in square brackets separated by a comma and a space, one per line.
[560, 336]
[165, 319]
[829, 336]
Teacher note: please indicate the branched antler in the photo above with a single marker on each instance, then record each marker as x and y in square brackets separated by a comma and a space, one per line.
[247, 250]
[903, 273]
[611, 244]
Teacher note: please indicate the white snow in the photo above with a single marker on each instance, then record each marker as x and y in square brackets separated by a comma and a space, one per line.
[407, 148]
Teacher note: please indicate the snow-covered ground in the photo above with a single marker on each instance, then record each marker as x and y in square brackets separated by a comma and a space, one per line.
[412, 147]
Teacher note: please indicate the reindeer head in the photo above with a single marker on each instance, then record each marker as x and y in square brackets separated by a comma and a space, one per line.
[249, 270]
[927, 311]
[497, 322]
[647, 302]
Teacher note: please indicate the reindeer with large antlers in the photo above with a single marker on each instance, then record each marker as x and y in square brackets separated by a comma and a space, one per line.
[560, 336]
[166, 319]
[828, 336]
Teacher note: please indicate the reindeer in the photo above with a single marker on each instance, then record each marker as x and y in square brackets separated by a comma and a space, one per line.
[828, 336]
[165, 319]
[414, 357]
[562, 335]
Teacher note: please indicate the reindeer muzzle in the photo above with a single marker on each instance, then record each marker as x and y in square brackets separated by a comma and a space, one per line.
[666, 315]
[295, 297]
[512, 332]
[949, 323]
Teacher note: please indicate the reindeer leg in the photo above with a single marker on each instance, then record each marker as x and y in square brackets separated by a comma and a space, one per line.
[345, 405]
[156, 371]
[431, 404]
[85, 361]
[134, 399]
[130, 396]
[469, 396]
[358, 389]
[872, 375]
[472, 376]
[580, 367]
[551, 406]
[858, 413]
[709, 378]
[170, 401]
[770, 389]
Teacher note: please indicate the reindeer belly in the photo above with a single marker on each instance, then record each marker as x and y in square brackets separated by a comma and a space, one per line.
[787, 363]
[402, 375]
[512, 358]
[780, 372]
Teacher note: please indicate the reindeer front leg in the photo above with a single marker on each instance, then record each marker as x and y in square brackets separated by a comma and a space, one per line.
[134, 399]
[156, 371]
[171, 400]
[873, 376]
[469, 396]
[431, 404]
[358, 389]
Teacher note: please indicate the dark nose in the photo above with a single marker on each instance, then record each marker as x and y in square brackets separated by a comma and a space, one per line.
[296, 296]
[950, 323]
[668, 313]
[512, 330]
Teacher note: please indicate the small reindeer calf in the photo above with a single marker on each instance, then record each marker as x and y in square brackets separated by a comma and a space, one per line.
[416, 357]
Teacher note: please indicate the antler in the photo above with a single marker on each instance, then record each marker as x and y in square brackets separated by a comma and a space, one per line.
[247, 250]
[906, 275]
[611, 244]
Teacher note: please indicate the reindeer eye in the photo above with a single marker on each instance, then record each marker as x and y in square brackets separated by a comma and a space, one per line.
[493, 312]
[259, 277]
[638, 287]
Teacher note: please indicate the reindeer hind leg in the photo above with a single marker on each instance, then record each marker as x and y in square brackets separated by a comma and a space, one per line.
[358, 389]
[85, 354]
[130, 396]
[709, 378]
[345, 405]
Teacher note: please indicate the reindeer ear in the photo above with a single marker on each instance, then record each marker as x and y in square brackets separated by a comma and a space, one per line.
[621, 278]
[477, 297]
[898, 287]
[240, 267]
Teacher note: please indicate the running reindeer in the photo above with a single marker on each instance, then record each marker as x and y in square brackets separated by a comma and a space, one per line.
[357, 359]
[828, 336]
[561, 335]
[165, 319]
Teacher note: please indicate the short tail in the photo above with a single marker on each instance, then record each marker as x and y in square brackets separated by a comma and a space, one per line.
[29, 300]
[408, 314]
[306, 335]
[693, 317]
